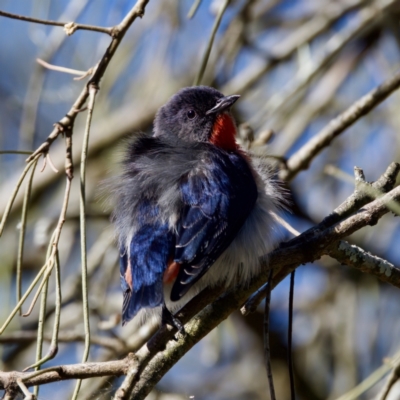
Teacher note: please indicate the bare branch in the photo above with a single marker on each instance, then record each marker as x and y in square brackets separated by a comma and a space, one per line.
[283, 260]
[193, 9]
[72, 26]
[153, 360]
[303, 157]
[359, 198]
[93, 89]
[392, 379]
[207, 52]
[8, 380]
[62, 69]
[371, 380]
[15, 192]
[358, 258]
[267, 347]
[67, 122]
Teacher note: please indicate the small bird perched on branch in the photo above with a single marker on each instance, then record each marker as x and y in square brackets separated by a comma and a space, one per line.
[192, 208]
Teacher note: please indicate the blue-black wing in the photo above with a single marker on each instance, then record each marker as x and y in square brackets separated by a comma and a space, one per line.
[142, 267]
[217, 200]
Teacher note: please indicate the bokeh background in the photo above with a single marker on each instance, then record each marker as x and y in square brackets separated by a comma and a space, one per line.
[296, 64]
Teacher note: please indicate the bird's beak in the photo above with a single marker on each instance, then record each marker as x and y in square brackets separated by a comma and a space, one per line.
[223, 104]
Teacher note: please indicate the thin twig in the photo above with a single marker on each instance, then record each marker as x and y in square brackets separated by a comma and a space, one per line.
[290, 337]
[28, 395]
[370, 381]
[46, 269]
[23, 298]
[82, 201]
[72, 28]
[207, 52]
[392, 379]
[52, 352]
[49, 267]
[21, 241]
[67, 122]
[15, 192]
[360, 197]
[267, 348]
[338, 173]
[193, 9]
[53, 42]
[55, 238]
[41, 320]
[62, 69]
[48, 158]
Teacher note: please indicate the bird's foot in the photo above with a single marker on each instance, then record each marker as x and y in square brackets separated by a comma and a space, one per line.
[168, 318]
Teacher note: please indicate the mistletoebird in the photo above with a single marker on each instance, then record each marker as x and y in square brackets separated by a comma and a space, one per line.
[192, 209]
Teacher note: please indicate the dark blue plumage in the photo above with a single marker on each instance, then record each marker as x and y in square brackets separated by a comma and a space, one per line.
[186, 195]
[216, 202]
[150, 248]
[216, 192]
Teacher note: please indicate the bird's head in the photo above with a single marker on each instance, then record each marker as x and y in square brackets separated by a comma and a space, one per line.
[199, 114]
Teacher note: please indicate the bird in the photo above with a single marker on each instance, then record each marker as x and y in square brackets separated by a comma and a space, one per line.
[192, 209]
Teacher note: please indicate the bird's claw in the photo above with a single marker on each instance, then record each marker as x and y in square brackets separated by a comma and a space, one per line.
[167, 318]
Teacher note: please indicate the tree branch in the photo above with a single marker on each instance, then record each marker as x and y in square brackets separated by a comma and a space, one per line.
[155, 358]
[8, 380]
[154, 363]
[356, 257]
[392, 379]
[69, 27]
[303, 157]
[360, 197]
[67, 122]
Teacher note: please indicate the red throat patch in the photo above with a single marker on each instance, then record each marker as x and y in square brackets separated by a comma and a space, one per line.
[224, 132]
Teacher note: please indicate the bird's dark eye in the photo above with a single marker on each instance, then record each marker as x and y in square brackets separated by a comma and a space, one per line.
[191, 114]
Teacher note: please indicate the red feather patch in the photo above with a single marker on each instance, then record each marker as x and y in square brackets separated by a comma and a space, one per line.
[224, 132]
[128, 275]
[171, 272]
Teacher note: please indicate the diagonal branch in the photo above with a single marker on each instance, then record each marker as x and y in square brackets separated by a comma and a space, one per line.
[303, 157]
[155, 362]
[356, 257]
[363, 194]
[154, 359]
[392, 379]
